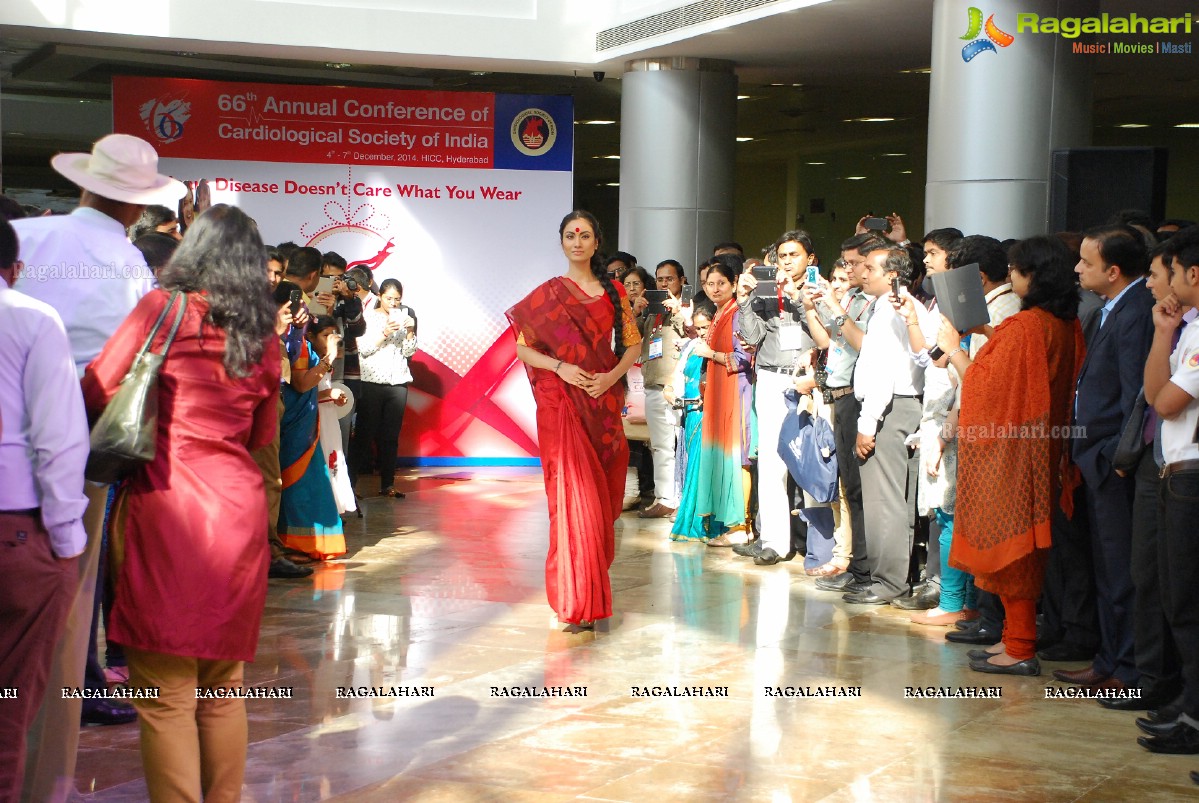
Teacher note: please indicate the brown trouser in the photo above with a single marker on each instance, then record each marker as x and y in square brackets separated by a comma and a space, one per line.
[192, 749]
[34, 599]
[54, 735]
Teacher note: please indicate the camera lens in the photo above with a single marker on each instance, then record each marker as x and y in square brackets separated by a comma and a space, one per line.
[352, 285]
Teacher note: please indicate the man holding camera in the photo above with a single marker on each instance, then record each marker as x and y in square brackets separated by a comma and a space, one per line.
[889, 382]
[345, 307]
[775, 324]
[661, 335]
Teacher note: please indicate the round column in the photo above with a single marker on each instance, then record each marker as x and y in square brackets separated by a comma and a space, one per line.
[1000, 101]
[678, 124]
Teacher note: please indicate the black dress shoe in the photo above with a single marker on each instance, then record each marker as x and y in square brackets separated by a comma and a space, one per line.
[983, 635]
[750, 549]
[107, 712]
[864, 598]
[1146, 702]
[1064, 652]
[1182, 739]
[768, 557]
[284, 568]
[1155, 728]
[837, 583]
[924, 600]
[1168, 712]
[1028, 668]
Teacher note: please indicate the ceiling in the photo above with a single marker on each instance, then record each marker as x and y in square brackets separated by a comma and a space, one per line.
[803, 73]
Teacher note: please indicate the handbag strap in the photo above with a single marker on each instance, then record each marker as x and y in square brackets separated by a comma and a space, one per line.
[161, 317]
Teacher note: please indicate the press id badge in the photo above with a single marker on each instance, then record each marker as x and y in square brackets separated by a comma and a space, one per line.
[655, 349]
[792, 337]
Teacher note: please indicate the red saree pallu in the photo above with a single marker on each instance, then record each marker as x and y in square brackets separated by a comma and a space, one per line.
[1016, 401]
[584, 453]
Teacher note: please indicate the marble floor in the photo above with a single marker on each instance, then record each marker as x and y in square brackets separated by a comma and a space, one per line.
[445, 590]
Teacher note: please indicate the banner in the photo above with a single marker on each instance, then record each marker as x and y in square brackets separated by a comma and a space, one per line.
[455, 194]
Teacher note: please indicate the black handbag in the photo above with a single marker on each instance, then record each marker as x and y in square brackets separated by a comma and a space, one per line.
[1132, 444]
[125, 435]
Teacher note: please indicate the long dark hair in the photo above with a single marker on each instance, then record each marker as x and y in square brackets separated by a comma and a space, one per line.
[600, 271]
[1045, 261]
[223, 256]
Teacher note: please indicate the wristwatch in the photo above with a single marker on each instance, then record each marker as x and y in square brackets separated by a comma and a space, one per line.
[840, 320]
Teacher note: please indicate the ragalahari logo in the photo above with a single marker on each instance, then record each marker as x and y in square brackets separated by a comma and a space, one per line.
[165, 117]
[994, 37]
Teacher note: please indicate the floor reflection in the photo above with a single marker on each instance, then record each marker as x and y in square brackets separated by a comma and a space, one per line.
[714, 680]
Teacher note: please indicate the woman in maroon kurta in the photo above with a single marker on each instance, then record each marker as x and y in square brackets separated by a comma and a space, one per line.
[566, 332]
[188, 532]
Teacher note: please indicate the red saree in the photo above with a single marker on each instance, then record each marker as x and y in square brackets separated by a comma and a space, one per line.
[584, 453]
[1016, 401]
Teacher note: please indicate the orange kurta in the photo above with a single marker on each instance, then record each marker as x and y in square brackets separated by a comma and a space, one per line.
[1016, 407]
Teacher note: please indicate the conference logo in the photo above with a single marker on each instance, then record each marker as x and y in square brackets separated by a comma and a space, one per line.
[165, 117]
[977, 45]
[533, 132]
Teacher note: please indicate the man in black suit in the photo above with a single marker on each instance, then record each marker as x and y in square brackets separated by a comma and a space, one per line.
[1113, 263]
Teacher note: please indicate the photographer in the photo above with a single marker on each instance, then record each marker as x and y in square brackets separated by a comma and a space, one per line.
[345, 308]
[776, 325]
[662, 336]
[384, 351]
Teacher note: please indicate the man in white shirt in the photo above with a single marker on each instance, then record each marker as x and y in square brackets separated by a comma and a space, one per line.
[889, 381]
[1172, 387]
[43, 448]
[84, 266]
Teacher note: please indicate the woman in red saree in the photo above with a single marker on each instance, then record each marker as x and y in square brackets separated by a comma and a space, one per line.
[1016, 401]
[578, 338]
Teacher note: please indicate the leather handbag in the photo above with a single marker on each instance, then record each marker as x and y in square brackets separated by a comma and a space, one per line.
[1132, 444]
[125, 435]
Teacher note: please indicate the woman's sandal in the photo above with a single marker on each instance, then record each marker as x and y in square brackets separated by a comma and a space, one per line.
[393, 493]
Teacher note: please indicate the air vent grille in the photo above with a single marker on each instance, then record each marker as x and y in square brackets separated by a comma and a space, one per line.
[672, 20]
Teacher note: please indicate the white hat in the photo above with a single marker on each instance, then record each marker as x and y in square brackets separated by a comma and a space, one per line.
[122, 168]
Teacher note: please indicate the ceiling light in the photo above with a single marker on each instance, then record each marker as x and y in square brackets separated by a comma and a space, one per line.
[919, 71]
[817, 163]
[854, 178]
[905, 172]
[743, 97]
[894, 154]
[612, 184]
[338, 65]
[745, 139]
[610, 156]
[1133, 125]
[869, 120]
[595, 122]
[1187, 125]
[479, 73]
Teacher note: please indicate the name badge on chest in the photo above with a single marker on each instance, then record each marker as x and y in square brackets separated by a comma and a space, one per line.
[792, 337]
[655, 348]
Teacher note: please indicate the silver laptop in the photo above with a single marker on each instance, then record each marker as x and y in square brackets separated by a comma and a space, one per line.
[960, 297]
